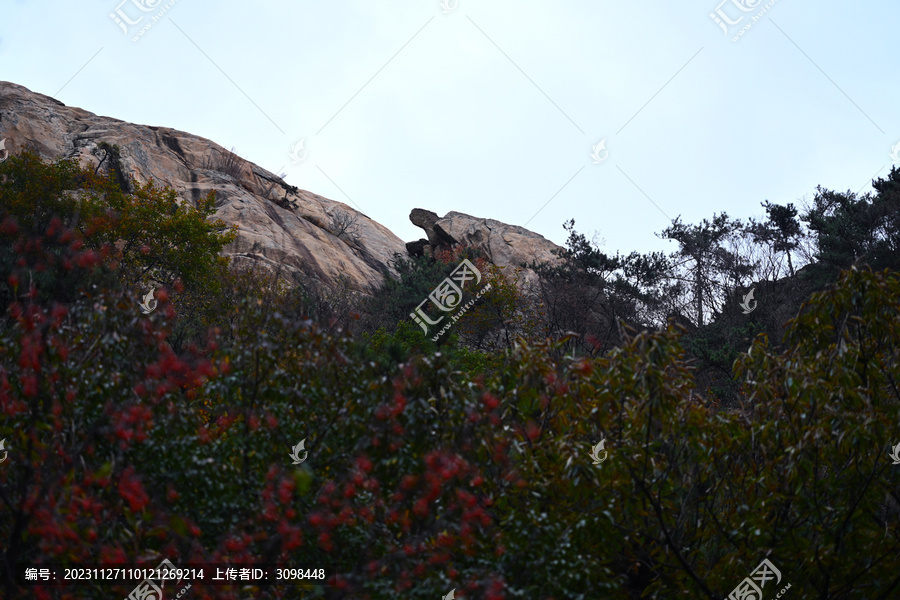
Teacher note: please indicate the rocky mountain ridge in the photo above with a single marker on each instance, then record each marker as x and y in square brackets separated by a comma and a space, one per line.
[312, 238]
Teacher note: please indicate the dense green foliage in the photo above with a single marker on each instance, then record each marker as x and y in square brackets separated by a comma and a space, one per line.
[464, 465]
[849, 228]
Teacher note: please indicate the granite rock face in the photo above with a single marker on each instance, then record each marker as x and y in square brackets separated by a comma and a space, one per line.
[504, 245]
[313, 238]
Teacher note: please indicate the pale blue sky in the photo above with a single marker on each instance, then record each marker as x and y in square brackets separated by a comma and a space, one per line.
[493, 108]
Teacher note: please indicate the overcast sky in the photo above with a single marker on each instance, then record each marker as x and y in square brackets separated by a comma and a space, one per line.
[494, 108]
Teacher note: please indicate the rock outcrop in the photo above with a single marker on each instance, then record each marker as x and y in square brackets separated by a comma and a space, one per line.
[315, 239]
[503, 244]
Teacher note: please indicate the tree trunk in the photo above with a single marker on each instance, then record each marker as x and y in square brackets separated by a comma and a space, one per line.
[698, 294]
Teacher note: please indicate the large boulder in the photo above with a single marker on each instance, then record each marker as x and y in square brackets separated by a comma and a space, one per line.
[427, 220]
[503, 244]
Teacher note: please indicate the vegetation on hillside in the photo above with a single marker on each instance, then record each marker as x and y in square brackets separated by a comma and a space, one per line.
[461, 464]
